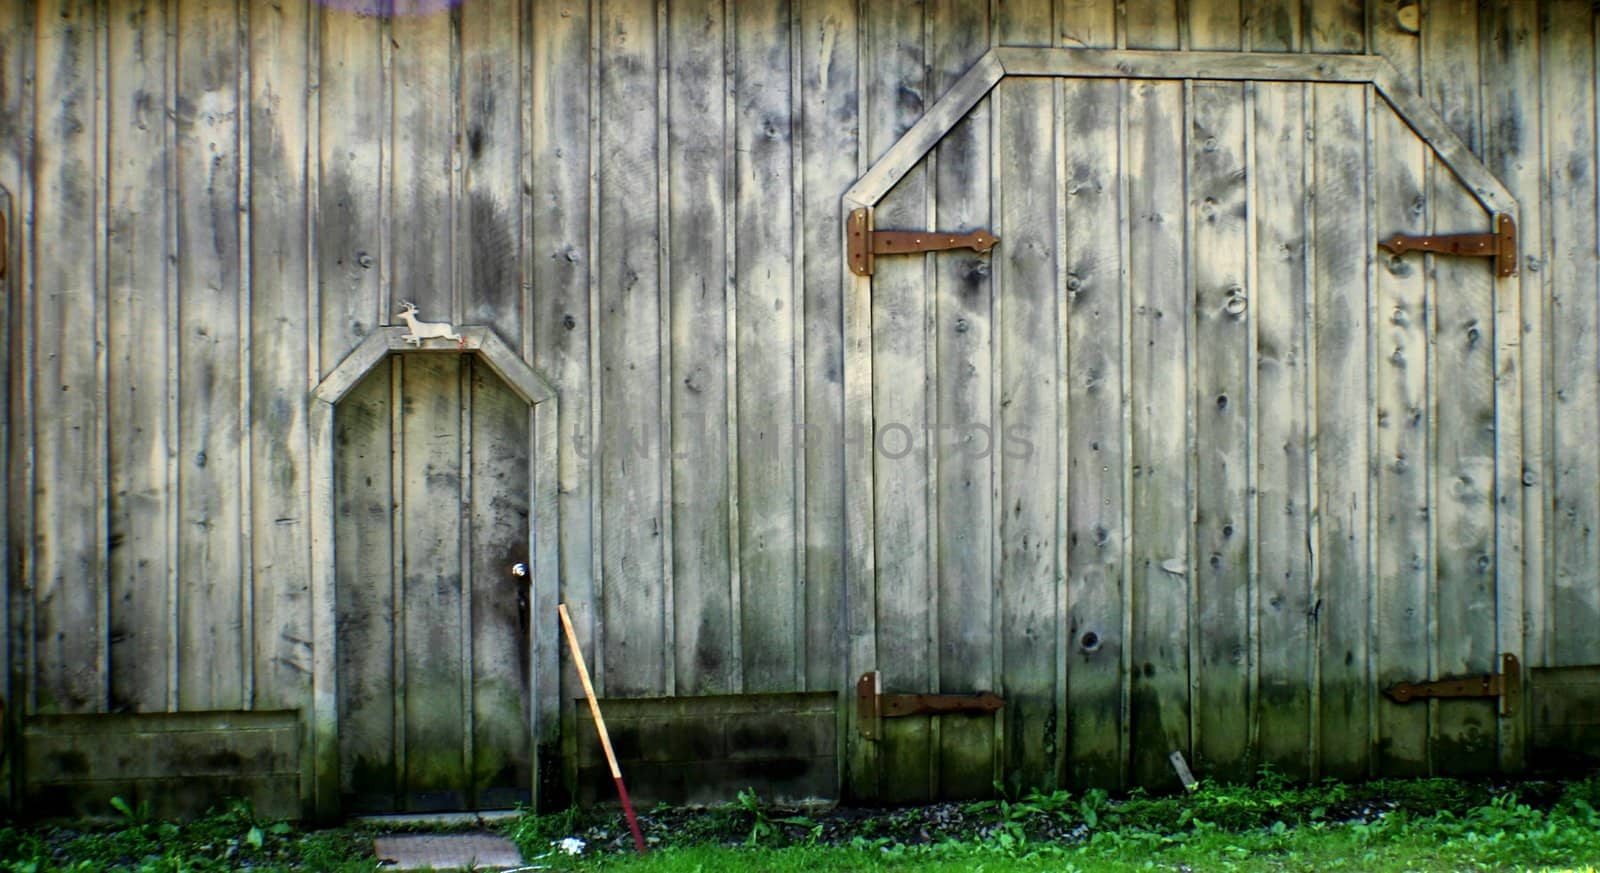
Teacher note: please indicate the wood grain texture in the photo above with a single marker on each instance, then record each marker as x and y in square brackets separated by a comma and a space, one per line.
[1152, 24]
[140, 351]
[1512, 151]
[698, 177]
[642, 198]
[895, 438]
[1159, 383]
[1219, 215]
[419, 191]
[1464, 410]
[500, 769]
[1096, 581]
[630, 438]
[69, 453]
[560, 235]
[1284, 527]
[962, 440]
[1029, 419]
[1337, 26]
[765, 385]
[363, 546]
[1574, 405]
[279, 256]
[429, 623]
[1343, 453]
[1274, 25]
[828, 132]
[489, 142]
[210, 673]
[1403, 367]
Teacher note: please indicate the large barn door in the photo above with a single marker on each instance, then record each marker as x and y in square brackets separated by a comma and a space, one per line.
[431, 497]
[1186, 464]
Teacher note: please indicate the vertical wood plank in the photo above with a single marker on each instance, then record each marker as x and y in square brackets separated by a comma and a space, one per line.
[630, 455]
[1574, 531]
[1086, 23]
[544, 669]
[350, 134]
[562, 170]
[1464, 347]
[431, 490]
[1096, 575]
[765, 300]
[1400, 47]
[1337, 26]
[1402, 502]
[363, 546]
[419, 191]
[706, 662]
[1159, 383]
[501, 769]
[67, 566]
[830, 144]
[209, 555]
[1151, 24]
[279, 441]
[1224, 524]
[1280, 307]
[489, 204]
[1342, 410]
[895, 93]
[1513, 148]
[1087, 119]
[139, 358]
[1029, 416]
[1217, 231]
[963, 439]
[16, 440]
[1215, 25]
[1274, 25]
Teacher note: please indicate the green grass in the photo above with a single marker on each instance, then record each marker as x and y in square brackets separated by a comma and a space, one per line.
[1415, 825]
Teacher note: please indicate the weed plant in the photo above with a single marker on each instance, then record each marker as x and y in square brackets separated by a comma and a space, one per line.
[1270, 825]
[226, 840]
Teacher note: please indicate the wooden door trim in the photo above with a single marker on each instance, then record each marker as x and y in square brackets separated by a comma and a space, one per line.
[998, 63]
[320, 731]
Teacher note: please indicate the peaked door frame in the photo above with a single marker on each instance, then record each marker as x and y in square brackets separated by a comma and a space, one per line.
[998, 63]
[320, 726]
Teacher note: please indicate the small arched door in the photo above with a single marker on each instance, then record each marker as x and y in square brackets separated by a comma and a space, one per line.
[431, 497]
[434, 670]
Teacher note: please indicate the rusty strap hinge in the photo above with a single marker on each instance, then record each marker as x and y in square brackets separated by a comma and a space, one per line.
[872, 705]
[1500, 245]
[866, 243]
[1506, 685]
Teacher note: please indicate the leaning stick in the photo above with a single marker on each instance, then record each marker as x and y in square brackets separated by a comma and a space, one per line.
[600, 726]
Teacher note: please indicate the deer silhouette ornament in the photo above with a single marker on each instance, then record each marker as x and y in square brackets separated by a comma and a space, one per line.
[421, 330]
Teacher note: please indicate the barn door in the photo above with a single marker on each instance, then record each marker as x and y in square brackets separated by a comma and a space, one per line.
[431, 510]
[1186, 463]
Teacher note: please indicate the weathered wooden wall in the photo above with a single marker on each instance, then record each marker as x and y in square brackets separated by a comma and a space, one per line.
[216, 201]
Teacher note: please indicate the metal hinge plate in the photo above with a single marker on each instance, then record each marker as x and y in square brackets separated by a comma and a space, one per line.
[1500, 245]
[866, 243]
[1506, 685]
[872, 705]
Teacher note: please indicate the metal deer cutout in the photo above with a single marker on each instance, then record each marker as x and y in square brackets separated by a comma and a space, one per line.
[421, 330]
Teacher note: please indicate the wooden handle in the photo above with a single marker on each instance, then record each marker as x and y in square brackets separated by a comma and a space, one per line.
[588, 690]
[600, 726]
